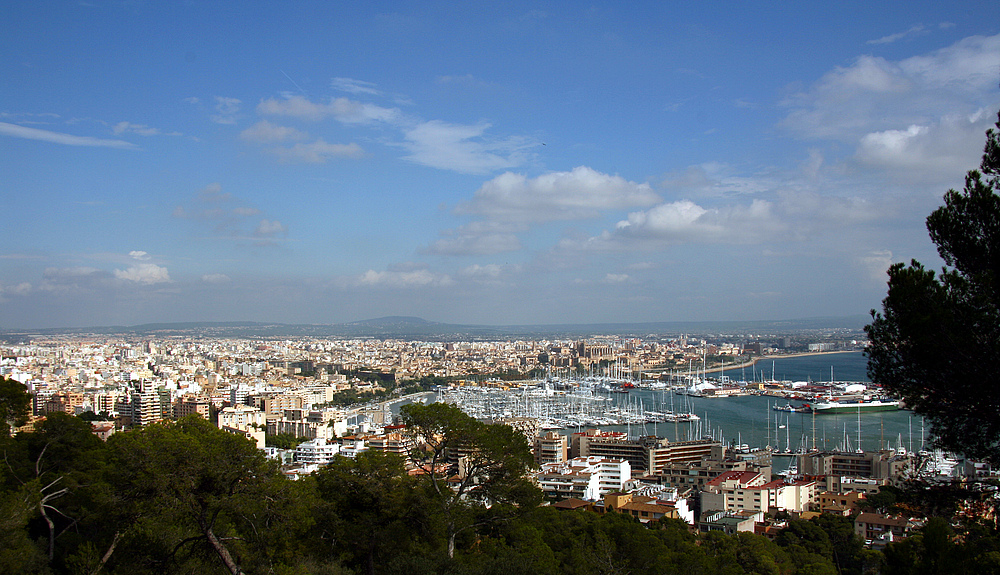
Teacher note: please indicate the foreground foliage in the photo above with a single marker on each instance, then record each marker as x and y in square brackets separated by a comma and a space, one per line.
[936, 343]
[184, 497]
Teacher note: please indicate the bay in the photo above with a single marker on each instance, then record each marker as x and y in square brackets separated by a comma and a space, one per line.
[750, 420]
[848, 366]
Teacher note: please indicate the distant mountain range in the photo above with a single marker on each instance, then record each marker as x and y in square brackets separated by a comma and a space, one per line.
[404, 327]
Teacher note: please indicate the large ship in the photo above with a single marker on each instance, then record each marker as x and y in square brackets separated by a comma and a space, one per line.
[854, 405]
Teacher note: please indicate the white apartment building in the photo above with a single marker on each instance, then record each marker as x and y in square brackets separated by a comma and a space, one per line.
[750, 490]
[316, 452]
[242, 417]
[145, 408]
[584, 477]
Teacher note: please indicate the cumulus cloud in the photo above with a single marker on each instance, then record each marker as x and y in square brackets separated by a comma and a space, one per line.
[435, 143]
[685, 221]
[876, 264]
[215, 278]
[138, 255]
[479, 238]
[788, 215]
[510, 203]
[577, 194]
[947, 146]
[269, 229]
[264, 132]
[59, 138]
[490, 271]
[147, 274]
[140, 129]
[17, 290]
[227, 110]
[342, 109]
[919, 120]
[416, 278]
[65, 280]
[874, 92]
[315, 152]
[229, 216]
[318, 152]
[463, 148]
[615, 278]
[714, 179]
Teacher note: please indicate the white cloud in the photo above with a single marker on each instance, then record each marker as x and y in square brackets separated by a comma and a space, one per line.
[215, 278]
[616, 278]
[74, 279]
[876, 94]
[228, 215]
[403, 279]
[59, 138]
[876, 264]
[342, 109]
[488, 271]
[434, 143]
[890, 143]
[352, 86]
[479, 238]
[914, 30]
[577, 194]
[269, 229]
[318, 152]
[138, 255]
[227, 108]
[684, 222]
[265, 132]
[947, 147]
[140, 129]
[463, 148]
[20, 289]
[713, 179]
[147, 274]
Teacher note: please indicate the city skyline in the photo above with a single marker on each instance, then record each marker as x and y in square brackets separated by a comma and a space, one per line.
[522, 164]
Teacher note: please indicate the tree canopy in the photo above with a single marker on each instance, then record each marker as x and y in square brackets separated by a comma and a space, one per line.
[15, 404]
[152, 500]
[936, 343]
[492, 460]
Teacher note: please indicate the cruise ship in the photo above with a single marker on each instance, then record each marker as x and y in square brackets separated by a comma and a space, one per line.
[855, 405]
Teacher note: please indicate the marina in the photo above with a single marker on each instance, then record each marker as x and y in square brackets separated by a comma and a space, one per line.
[754, 420]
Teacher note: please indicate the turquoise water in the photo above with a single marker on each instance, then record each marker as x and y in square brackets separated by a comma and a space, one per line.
[846, 367]
[750, 419]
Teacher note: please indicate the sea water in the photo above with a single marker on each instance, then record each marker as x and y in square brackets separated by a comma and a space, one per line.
[751, 420]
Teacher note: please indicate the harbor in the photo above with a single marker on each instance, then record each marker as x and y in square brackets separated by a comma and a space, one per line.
[754, 420]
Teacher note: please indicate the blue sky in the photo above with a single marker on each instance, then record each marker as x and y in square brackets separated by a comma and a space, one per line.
[501, 163]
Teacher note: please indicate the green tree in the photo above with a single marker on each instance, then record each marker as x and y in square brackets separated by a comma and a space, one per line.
[187, 492]
[369, 508]
[936, 343]
[490, 482]
[15, 404]
[60, 465]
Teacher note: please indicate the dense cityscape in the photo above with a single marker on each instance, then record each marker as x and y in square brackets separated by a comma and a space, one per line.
[308, 403]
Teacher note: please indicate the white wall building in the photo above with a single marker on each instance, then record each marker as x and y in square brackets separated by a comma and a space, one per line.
[317, 451]
[242, 417]
[584, 477]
